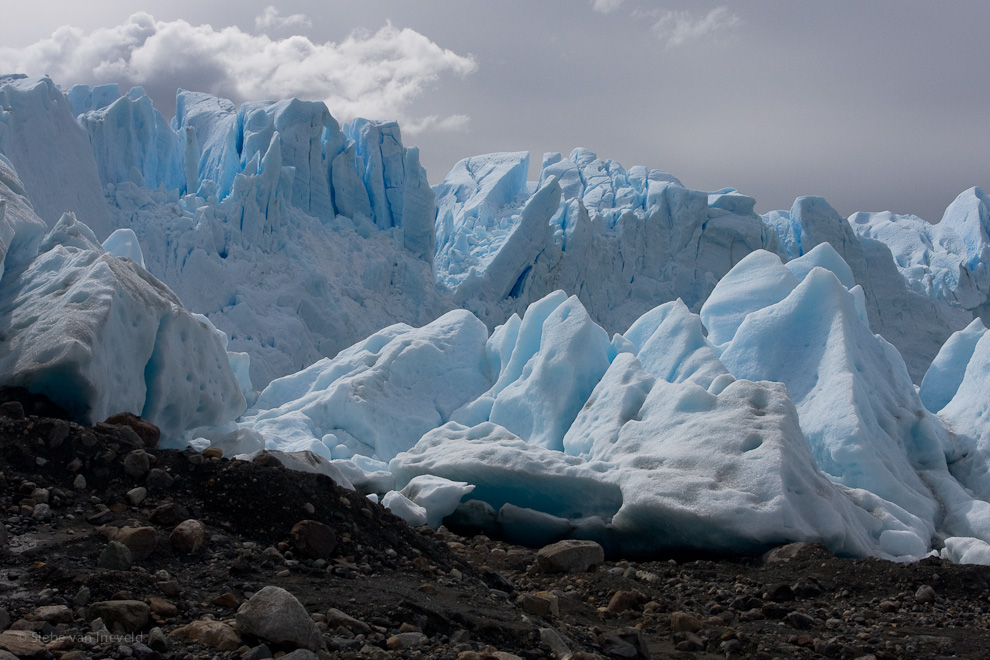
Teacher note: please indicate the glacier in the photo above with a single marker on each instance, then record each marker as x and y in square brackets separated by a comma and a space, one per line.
[600, 353]
[98, 334]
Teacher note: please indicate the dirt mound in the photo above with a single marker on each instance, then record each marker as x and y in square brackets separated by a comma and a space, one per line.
[114, 548]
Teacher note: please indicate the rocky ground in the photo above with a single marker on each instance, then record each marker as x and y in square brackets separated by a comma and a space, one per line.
[113, 548]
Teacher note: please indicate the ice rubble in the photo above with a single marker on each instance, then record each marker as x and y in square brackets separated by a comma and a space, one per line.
[799, 424]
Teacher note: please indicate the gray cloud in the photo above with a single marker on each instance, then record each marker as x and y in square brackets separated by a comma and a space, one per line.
[605, 6]
[874, 107]
[676, 28]
[271, 19]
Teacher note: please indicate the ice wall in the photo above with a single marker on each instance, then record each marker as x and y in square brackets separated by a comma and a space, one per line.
[41, 138]
[622, 241]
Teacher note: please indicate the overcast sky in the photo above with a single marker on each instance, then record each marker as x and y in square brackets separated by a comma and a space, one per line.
[874, 105]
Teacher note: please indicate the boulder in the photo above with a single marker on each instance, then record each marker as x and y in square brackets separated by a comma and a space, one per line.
[137, 463]
[274, 615]
[148, 432]
[115, 557]
[313, 539]
[125, 615]
[141, 541]
[22, 643]
[570, 556]
[188, 536]
[214, 634]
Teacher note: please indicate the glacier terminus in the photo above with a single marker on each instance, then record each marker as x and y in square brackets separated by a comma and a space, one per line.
[601, 353]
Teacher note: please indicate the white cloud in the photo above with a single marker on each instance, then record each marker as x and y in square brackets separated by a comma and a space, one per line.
[605, 6]
[271, 19]
[436, 123]
[676, 28]
[368, 74]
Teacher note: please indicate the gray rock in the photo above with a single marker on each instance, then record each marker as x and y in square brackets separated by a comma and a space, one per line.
[79, 483]
[81, 599]
[570, 556]
[41, 512]
[473, 515]
[158, 641]
[313, 539]
[337, 619]
[800, 620]
[12, 409]
[554, 641]
[126, 615]
[115, 557]
[137, 463]
[58, 434]
[53, 614]
[22, 643]
[159, 479]
[300, 654]
[188, 536]
[137, 495]
[141, 541]
[273, 614]
[260, 652]
[925, 594]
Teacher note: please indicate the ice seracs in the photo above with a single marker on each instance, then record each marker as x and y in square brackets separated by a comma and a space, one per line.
[381, 395]
[622, 241]
[99, 335]
[54, 160]
[310, 235]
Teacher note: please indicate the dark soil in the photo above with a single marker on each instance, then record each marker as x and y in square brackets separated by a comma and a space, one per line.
[413, 593]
